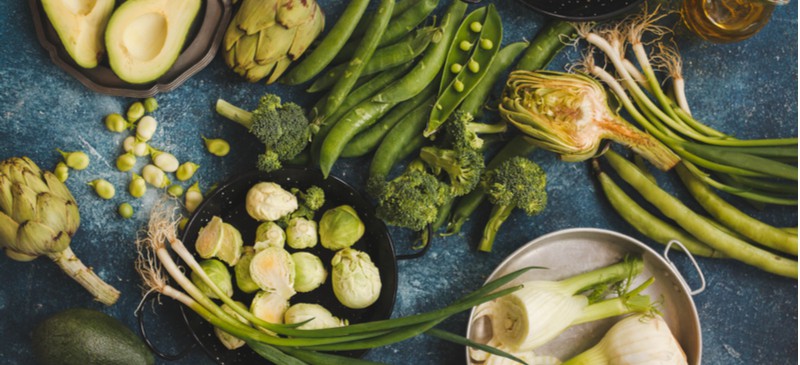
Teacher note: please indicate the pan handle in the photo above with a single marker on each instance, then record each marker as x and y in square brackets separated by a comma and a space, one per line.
[139, 313]
[694, 262]
[423, 251]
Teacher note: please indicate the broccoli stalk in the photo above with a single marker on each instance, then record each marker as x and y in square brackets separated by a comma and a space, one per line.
[282, 128]
[516, 183]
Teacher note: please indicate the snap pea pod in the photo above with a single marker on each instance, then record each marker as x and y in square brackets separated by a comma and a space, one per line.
[672, 208]
[463, 42]
[483, 52]
[362, 55]
[357, 96]
[399, 8]
[475, 101]
[314, 114]
[546, 45]
[646, 223]
[734, 218]
[398, 27]
[369, 139]
[383, 58]
[314, 62]
[406, 133]
[431, 63]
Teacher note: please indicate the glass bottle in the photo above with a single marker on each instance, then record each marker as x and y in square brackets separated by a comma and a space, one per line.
[727, 20]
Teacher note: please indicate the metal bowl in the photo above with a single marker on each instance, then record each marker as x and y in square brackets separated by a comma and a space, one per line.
[569, 252]
[582, 10]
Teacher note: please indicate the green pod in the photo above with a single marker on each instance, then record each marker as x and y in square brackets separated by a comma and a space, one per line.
[474, 102]
[464, 38]
[389, 152]
[461, 84]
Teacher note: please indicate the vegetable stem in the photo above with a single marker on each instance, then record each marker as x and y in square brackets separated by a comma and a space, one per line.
[234, 113]
[73, 266]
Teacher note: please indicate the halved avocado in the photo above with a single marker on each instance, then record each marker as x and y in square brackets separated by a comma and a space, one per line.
[145, 37]
[80, 25]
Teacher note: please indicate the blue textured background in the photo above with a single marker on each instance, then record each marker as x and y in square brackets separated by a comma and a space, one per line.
[747, 88]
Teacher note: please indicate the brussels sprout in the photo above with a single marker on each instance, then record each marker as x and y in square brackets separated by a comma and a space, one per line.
[319, 317]
[270, 307]
[268, 201]
[210, 238]
[273, 270]
[228, 340]
[356, 281]
[340, 228]
[231, 247]
[309, 272]
[241, 270]
[269, 234]
[219, 274]
[301, 233]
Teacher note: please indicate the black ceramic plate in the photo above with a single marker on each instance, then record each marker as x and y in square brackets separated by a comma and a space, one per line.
[228, 202]
[200, 47]
[582, 10]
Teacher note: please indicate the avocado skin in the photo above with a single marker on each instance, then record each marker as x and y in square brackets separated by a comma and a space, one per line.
[82, 336]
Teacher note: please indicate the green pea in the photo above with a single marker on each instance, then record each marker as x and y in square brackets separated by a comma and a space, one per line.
[217, 146]
[125, 210]
[465, 45]
[175, 190]
[126, 162]
[150, 105]
[486, 43]
[475, 26]
[186, 170]
[458, 85]
[137, 186]
[135, 111]
[116, 123]
[61, 171]
[456, 68]
[103, 188]
[77, 160]
[474, 66]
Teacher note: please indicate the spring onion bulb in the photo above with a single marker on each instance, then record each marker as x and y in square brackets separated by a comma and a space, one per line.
[637, 339]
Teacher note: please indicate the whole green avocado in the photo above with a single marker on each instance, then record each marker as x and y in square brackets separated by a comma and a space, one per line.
[80, 336]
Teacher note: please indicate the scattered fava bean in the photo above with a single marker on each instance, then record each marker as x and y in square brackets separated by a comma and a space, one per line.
[164, 160]
[137, 186]
[146, 128]
[486, 43]
[456, 68]
[474, 66]
[77, 160]
[182, 223]
[126, 161]
[125, 210]
[140, 148]
[458, 85]
[150, 105]
[135, 111]
[475, 26]
[61, 171]
[128, 143]
[186, 170]
[465, 45]
[193, 197]
[116, 123]
[175, 190]
[103, 188]
[155, 176]
[217, 146]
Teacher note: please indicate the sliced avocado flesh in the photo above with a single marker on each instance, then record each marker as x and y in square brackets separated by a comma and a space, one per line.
[80, 25]
[145, 37]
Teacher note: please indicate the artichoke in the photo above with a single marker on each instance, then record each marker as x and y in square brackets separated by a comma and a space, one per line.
[265, 36]
[39, 216]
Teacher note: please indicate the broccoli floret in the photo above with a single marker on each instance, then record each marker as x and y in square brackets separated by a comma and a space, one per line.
[313, 197]
[516, 183]
[282, 128]
[462, 165]
[412, 200]
[461, 130]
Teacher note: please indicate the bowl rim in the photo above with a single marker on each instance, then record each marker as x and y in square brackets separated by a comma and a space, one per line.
[604, 16]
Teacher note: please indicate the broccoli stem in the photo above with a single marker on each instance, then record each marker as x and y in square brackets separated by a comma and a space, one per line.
[234, 113]
[486, 128]
[499, 215]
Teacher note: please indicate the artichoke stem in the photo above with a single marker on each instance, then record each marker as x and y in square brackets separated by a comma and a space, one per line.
[73, 266]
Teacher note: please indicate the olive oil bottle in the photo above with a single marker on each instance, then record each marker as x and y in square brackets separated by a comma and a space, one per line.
[727, 20]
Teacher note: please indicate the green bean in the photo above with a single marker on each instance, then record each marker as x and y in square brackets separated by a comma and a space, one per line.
[792, 230]
[467, 204]
[474, 102]
[331, 44]
[466, 80]
[357, 96]
[399, 137]
[369, 139]
[383, 58]
[735, 219]
[743, 160]
[465, 35]
[646, 223]
[399, 8]
[362, 55]
[354, 121]
[546, 45]
[398, 27]
[672, 208]
[431, 63]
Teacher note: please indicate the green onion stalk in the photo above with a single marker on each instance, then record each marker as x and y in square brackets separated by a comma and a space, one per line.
[291, 344]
